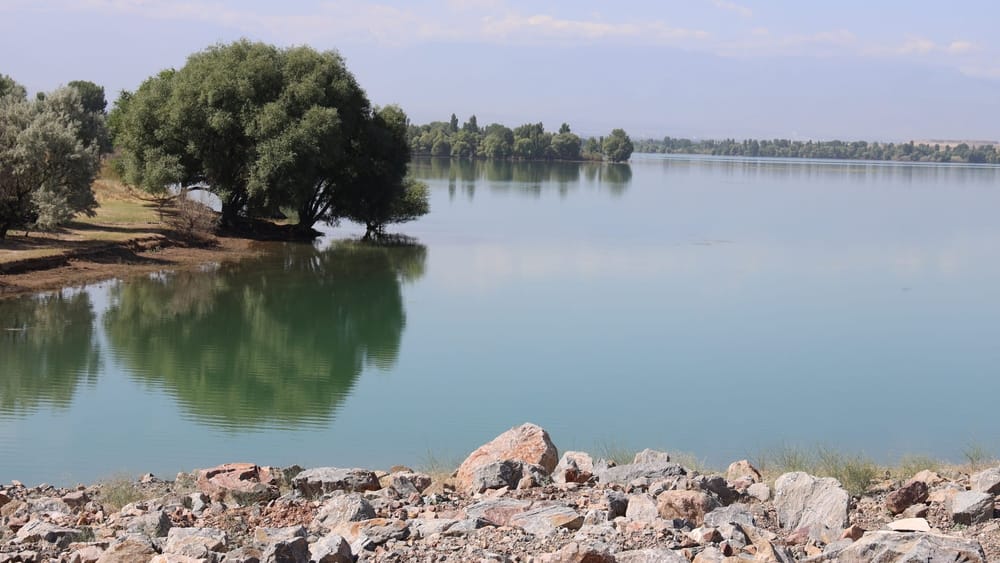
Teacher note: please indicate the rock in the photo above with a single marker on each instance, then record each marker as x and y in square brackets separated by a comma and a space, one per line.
[642, 507]
[705, 535]
[804, 501]
[720, 488]
[887, 547]
[291, 550]
[759, 491]
[267, 536]
[574, 467]
[370, 533]
[709, 555]
[407, 483]
[916, 511]
[927, 477]
[75, 499]
[196, 542]
[909, 525]
[39, 530]
[624, 474]
[155, 524]
[765, 550]
[497, 511]
[732, 514]
[742, 470]
[174, 558]
[129, 549]
[651, 456]
[853, 532]
[331, 549]
[617, 504]
[576, 553]
[689, 505]
[971, 507]
[911, 493]
[340, 509]
[319, 481]
[242, 483]
[86, 554]
[197, 502]
[652, 555]
[527, 443]
[987, 481]
[245, 554]
[4, 499]
[545, 520]
[494, 475]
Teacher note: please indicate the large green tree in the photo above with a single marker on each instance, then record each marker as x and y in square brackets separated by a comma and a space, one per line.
[617, 147]
[50, 151]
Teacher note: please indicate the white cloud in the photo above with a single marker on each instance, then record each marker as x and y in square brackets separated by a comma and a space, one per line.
[733, 7]
[916, 45]
[960, 47]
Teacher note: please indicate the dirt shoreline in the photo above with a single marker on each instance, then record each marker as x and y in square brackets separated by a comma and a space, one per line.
[121, 260]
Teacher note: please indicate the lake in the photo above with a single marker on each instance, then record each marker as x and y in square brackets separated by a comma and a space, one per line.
[723, 307]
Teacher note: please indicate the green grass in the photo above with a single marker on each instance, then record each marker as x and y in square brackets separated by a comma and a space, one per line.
[855, 472]
[977, 456]
[439, 467]
[119, 491]
[612, 451]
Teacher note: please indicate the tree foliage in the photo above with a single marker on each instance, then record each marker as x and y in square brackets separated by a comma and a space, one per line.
[263, 128]
[496, 141]
[617, 146]
[50, 151]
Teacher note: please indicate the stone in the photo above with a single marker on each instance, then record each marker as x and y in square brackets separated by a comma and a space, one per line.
[987, 481]
[319, 481]
[709, 555]
[574, 467]
[494, 475]
[4, 499]
[87, 554]
[887, 546]
[574, 552]
[971, 507]
[39, 530]
[497, 512]
[75, 499]
[339, 509]
[804, 501]
[407, 483]
[128, 549]
[196, 542]
[704, 535]
[742, 470]
[651, 555]
[617, 504]
[545, 520]
[291, 550]
[241, 483]
[527, 443]
[912, 492]
[759, 491]
[625, 474]
[689, 505]
[909, 525]
[267, 536]
[927, 477]
[174, 558]
[765, 550]
[197, 502]
[916, 511]
[331, 548]
[720, 488]
[732, 514]
[853, 532]
[374, 532]
[651, 456]
[155, 524]
[642, 507]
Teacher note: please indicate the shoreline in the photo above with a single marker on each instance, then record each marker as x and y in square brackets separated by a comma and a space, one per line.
[515, 498]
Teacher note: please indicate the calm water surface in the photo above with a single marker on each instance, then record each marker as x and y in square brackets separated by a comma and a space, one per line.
[720, 307]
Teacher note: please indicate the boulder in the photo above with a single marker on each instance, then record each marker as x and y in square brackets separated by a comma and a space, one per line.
[651, 456]
[574, 552]
[128, 549]
[689, 505]
[928, 477]
[905, 547]
[742, 470]
[154, 524]
[75, 499]
[804, 501]
[174, 558]
[241, 483]
[196, 542]
[642, 507]
[617, 503]
[319, 481]
[574, 467]
[407, 483]
[331, 549]
[340, 509]
[493, 475]
[987, 481]
[625, 474]
[912, 492]
[497, 512]
[291, 550]
[545, 520]
[759, 491]
[909, 525]
[651, 555]
[39, 530]
[266, 536]
[527, 443]
[971, 507]
[732, 514]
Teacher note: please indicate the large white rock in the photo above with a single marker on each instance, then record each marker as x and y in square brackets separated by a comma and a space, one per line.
[805, 501]
[906, 547]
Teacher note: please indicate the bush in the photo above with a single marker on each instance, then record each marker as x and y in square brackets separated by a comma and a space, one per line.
[191, 219]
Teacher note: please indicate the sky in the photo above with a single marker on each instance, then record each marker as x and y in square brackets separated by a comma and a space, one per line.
[886, 70]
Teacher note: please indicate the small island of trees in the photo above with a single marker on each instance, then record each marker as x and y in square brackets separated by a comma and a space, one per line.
[527, 142]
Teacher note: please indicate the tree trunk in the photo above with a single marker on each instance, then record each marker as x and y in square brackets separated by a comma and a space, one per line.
[3, 230]
[230, 214]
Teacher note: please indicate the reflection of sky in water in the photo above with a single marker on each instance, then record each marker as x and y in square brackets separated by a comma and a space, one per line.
[716, 307]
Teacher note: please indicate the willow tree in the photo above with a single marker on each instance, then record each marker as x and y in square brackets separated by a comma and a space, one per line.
[263, 128]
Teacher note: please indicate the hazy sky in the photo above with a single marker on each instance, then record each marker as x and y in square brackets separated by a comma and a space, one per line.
[881, 70]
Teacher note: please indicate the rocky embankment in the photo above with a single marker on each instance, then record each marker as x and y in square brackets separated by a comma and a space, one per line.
[513, 499]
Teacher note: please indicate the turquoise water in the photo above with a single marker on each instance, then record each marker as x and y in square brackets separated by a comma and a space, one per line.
[713, 306]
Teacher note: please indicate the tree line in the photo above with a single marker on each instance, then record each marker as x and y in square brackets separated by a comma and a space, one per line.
[855, 150]
[267, 130]
[527, 142]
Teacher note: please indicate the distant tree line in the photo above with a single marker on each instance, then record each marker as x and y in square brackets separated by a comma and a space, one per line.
[50, 152]
[527, 142]
[855, 150]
